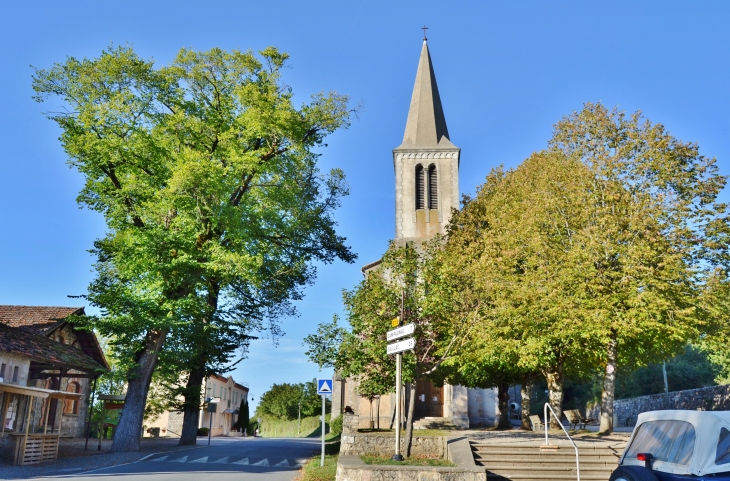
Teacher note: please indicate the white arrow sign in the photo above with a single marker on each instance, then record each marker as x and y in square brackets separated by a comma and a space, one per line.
[402, 331]
[400, 346]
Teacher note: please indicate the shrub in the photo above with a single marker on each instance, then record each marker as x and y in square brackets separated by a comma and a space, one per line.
[202, 431]
[336, 426]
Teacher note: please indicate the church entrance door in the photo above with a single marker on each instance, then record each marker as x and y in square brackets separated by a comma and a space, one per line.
[429, 400]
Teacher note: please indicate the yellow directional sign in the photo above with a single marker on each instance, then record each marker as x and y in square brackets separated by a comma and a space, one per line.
[395, 322]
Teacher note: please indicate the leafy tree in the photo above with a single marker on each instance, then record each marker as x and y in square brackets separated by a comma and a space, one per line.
[243, 422]
[650, 244]
[282, 401]
[205, 173]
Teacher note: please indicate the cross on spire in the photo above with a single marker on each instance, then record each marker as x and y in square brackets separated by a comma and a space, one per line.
[424, 28]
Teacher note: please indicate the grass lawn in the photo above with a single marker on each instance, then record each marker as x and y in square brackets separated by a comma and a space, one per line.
[313, 472]
[408, 462]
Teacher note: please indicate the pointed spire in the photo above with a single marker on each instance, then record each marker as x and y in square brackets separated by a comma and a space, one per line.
[426, 124]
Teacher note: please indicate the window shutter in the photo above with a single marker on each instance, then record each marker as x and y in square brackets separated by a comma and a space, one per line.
[432, 188]
[420, 188]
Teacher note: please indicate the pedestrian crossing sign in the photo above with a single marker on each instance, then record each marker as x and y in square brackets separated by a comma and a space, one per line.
[324, 386]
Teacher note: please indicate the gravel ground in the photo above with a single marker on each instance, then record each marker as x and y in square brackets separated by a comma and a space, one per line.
[72, 459]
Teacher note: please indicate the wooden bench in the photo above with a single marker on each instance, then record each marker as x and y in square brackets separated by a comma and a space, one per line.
[536, 422]
[576, 419]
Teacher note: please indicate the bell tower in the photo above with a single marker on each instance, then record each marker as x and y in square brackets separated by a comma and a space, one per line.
[426, 163]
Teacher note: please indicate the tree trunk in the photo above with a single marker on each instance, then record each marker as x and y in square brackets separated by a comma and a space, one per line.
[609, 386]
[129, 430]
[526, 395]
[503, 398]
[191, 407]
[377, 419]
[555, 397]
[409, 421]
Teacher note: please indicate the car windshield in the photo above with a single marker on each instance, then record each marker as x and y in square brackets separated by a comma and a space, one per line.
[669, 441]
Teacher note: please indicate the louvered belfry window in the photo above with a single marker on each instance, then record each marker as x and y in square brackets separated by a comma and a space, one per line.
[433, 190]
[420, 188]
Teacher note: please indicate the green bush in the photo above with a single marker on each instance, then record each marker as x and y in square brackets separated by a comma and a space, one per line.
[202, 431]
[336, 426]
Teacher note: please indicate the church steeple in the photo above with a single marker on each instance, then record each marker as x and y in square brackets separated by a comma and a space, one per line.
[426, 124]
[426, 163]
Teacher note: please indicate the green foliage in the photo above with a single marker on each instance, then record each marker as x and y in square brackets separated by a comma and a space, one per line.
[203, 431]
[689, 370]
[283, 401]
[310, 426]
[312, 471]
[215, 208]
[243, 421]
[336, 426]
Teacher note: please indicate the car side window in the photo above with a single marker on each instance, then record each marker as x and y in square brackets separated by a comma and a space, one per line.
[722, 455]
[668, 441]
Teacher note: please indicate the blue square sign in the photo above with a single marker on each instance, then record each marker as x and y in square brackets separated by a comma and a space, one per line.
[324, 386]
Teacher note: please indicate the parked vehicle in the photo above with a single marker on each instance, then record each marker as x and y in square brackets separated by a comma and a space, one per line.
[677, 445]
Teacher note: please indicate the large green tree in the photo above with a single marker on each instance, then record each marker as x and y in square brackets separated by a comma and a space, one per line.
[206, 175]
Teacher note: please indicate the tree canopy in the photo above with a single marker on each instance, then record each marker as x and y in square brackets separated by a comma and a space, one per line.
[206, 174]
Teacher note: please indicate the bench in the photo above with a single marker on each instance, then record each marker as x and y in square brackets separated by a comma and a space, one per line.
[576, 419]
[536, 422]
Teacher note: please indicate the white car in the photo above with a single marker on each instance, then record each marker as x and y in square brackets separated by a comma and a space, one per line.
[677, 445]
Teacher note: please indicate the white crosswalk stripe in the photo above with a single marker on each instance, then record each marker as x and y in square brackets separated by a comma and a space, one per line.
[263, 462]
[201, 460]
[181, 460]
[220, 461]
[284, 463]
[244, 462]
[158, 460]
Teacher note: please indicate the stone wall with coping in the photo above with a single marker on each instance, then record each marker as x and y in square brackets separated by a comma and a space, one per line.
[384, 445]
[352, 468]
[712, 398]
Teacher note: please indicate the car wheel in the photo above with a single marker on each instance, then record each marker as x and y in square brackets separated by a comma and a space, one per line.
[633, 473]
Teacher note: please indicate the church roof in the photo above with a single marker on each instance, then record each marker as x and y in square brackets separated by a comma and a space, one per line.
[426, 124]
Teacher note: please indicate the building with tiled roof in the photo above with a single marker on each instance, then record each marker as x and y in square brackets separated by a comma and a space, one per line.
[40, 347]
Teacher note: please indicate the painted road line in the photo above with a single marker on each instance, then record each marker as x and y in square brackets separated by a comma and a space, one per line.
[263, 462]
[201, 460]
[181, 460]
[284, 463]
[220, 461]
[244, 462]
[159, 460]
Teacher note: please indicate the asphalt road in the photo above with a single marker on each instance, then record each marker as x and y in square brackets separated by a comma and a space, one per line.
[255, 459]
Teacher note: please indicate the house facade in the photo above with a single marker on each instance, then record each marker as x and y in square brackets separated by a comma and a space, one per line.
[40, 348]
[220, 422]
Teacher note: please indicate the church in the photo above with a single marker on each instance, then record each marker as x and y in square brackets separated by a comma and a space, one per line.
[426, 190]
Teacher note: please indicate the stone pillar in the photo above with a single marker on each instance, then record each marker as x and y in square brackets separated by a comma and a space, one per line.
[460, 407]
[448, 403]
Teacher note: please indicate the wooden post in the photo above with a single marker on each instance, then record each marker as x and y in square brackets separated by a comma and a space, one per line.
[48, 408]
[6, 398]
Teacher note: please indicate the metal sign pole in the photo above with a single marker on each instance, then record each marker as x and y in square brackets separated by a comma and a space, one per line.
[398, 373]
[321, 462]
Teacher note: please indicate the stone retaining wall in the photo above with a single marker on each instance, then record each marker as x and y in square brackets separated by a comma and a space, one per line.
[384, 445]
[713, 398]
[351, 468]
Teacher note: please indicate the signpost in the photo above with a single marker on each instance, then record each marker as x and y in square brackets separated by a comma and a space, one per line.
[212, 407]
[397, 348]
[324, 387]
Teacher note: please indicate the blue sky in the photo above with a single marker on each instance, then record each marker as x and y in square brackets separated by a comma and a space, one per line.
[507, 71]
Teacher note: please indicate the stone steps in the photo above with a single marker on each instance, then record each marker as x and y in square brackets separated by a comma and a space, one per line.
[433, 423]
[528, 463]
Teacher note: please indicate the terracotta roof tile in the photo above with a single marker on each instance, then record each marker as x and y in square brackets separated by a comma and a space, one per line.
[44, 350]
[35, 318]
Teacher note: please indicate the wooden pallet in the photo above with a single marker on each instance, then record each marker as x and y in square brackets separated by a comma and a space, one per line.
[36, 448]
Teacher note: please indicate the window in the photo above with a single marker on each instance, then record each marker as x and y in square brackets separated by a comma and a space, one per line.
[221, 393]
[15, 374]
[668, 441]
[722, 455]
[420, 188]
[2, 371]
[72, 406]
[432, 188]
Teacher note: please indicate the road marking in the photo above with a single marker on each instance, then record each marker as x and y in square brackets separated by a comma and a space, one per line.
[159, 459]
[181, 460]
[263, 462]
[284, 463]
[221, 461]
[201, 460]
[244, 461]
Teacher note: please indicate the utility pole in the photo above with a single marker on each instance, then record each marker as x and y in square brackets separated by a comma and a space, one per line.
[398, 381]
